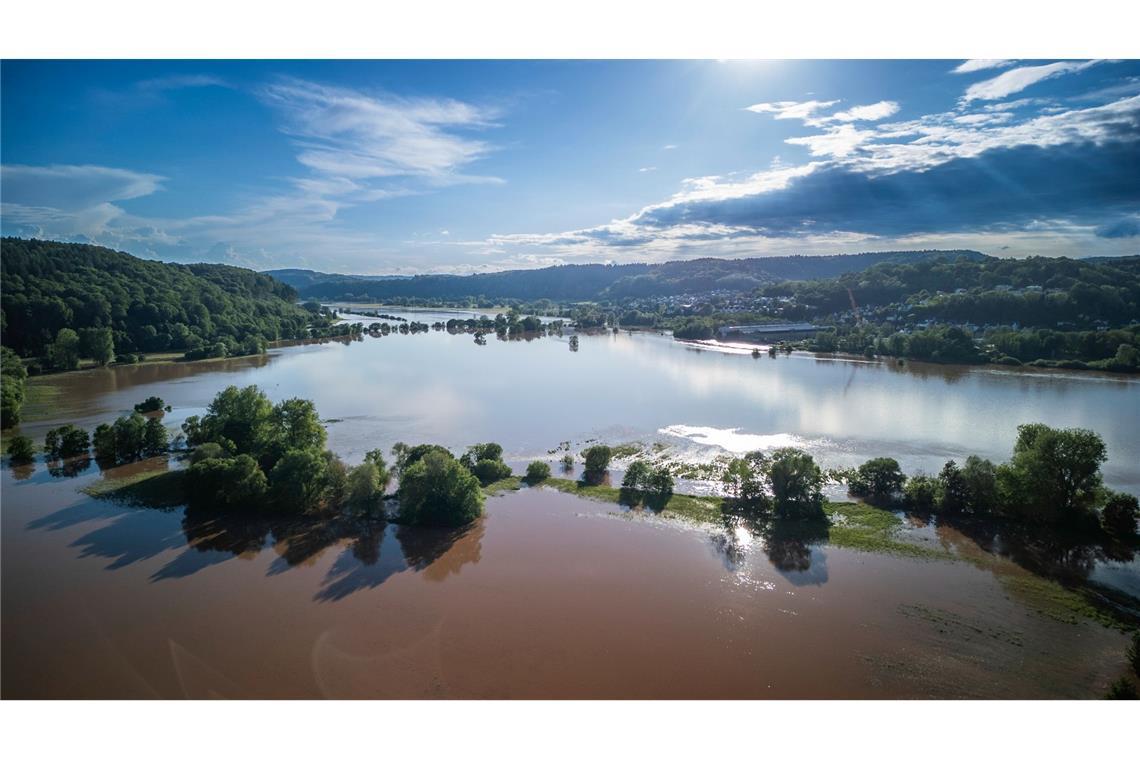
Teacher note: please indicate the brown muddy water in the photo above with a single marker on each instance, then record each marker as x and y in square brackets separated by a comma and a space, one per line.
[548, 595]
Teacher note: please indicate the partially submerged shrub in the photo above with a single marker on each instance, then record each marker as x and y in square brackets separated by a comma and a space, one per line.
[537, 471]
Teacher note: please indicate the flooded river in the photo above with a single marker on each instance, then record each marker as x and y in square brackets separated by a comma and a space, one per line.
[548, 595]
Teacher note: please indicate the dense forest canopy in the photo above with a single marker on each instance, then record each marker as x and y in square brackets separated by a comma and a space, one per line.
[50, 287]
[1031, 292]
[587, 282]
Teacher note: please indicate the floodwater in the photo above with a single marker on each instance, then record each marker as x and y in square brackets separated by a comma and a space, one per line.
[548, 595]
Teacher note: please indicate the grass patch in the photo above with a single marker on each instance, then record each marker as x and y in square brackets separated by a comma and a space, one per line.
[868, 529]
[704, 509]
[626, 450]
[499, 487]
[151, 488]
[41, 399]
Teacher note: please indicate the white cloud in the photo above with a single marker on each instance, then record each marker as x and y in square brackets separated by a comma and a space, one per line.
[836, 141]
[647, 169]
[792, 109]
[670, 146]
[873, 112]
[348, 134]
[70, 187]
[982, 64]
[1016, 80]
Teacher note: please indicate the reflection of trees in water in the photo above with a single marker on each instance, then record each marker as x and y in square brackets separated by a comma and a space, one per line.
[23, 471]
[787, 544]
[68, 468]
[1065, 555]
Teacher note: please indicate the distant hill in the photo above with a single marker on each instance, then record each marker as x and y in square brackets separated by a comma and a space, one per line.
[147, 305]
[304, 278]
[587, 282]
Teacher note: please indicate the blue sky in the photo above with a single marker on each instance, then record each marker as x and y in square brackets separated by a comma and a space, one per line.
[416, 166]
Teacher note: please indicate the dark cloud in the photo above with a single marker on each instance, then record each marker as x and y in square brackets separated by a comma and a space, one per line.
[1122, 228]
[1002, 189]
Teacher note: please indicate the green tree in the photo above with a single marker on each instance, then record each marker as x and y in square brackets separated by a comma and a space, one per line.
[363, 490]
[438, 490]
[63, 353]
[155, 438]
[980, 479]
[597, 459]
[877, 480]
[955, 493]
[637, 475]
[384, 475]
[293, 425]
[491, 451]
[745, 477]
[130, 437]
[97, 343]
[1054, 474]
[240, 419]
[537, 471]
[297, 481]
[218, 482]
[1120, 512]
[922, 492]
[795, 480]
[150, 404]
[103, 439]
[13, 375]
[21, 449]
[66, 441]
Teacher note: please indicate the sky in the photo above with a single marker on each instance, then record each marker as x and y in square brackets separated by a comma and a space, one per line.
[403, 167]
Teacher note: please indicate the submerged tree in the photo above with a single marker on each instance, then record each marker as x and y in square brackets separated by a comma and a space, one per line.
[438, 490]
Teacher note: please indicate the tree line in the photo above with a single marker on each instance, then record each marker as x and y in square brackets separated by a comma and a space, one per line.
[63, 302]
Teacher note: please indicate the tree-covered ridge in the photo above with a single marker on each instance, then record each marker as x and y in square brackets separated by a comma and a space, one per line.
[587, 282]
[147, 305]
[1036, 291]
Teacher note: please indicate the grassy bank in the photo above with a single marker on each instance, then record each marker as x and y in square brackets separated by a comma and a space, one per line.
[160, 489]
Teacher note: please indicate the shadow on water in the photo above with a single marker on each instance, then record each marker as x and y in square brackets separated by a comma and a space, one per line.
[1072, 557]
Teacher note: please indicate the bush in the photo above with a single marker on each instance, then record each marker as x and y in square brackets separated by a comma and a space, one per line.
[567, 462]
[1121, 688]
[438, 490]
[490, 470]
[217, 482]
[21, 450]
[207, 451]
[1120, 513]
[922, 492]
[66, 441]
[1134, 653]
[877, 480]
[795, 480]
[537, 471]
[151, 404]
[597, 459]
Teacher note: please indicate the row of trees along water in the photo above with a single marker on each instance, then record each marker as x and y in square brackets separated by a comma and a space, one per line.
[248, 453]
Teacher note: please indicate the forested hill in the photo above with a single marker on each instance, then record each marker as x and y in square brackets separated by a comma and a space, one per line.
[146, 305]
[587, 282]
